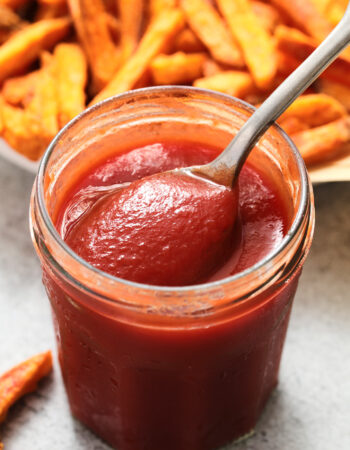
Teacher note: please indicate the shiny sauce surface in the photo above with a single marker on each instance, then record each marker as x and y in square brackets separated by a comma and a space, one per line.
[100, 223]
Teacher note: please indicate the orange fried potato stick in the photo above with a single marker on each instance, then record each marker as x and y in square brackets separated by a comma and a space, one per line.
[18, 91]
[178, 68]
[323, 143]
[22, 379]
[267, 14]
[205, 21]
[158, 6]
[158, 35]
[90, 21]
[187, 41]
[25, 46]
[256, 43]
[131, 16]
[336, 90]
[299, 46]
[306, 15]
[71, 76]
[42, 110]
[232, 82]
[314, 110]
[16, 132]
[13, 3]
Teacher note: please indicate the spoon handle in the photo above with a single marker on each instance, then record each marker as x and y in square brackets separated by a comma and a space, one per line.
[233, 157]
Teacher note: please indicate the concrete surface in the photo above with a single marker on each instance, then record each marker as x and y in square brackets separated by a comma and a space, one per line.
[310, 410]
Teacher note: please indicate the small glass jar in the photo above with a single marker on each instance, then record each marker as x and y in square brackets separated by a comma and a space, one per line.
[150, 367]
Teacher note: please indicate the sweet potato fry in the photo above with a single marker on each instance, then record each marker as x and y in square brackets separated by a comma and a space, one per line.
[131, 15]
[71, 77]
[18, 91]
[292, 125]
[211, 67]
[334, 10]
[337, 91]
[187, 41]
[93, 32]
[207, 24]
[299, 46]
[114, 26]
[16, 132]
[111, 7]
[256, 43]
[10, 22]
[25, 46]
[8, 18]
[314, 110]
[158, 6]
[235, 83]
[323, 143]
[13, 3]
[22, 379]
[267, 14]
[286, 63]
[306, 15]
[49, 9]
[42, 110]
[157, 37]
[178, 68]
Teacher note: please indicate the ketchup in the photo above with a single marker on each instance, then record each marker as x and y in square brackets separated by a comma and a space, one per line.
[165, 229]
[182, 383]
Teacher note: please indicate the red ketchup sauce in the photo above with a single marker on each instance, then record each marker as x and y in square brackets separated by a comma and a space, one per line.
[126, 238]
[168, 387]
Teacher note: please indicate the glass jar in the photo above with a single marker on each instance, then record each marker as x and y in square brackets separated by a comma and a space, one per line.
[150, 367]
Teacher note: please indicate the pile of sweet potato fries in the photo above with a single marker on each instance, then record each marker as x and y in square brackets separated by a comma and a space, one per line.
[58, 56]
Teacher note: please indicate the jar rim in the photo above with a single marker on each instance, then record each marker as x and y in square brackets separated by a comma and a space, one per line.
[183, 290]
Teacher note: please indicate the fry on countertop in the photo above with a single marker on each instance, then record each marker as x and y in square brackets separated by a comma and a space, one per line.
[22, 379]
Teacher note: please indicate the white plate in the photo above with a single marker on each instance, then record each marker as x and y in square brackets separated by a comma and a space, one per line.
[16, 158]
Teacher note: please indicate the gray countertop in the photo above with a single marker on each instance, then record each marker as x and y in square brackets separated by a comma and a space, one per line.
[310, 409]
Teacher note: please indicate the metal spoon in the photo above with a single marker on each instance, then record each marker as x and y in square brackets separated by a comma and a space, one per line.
[227, 166]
